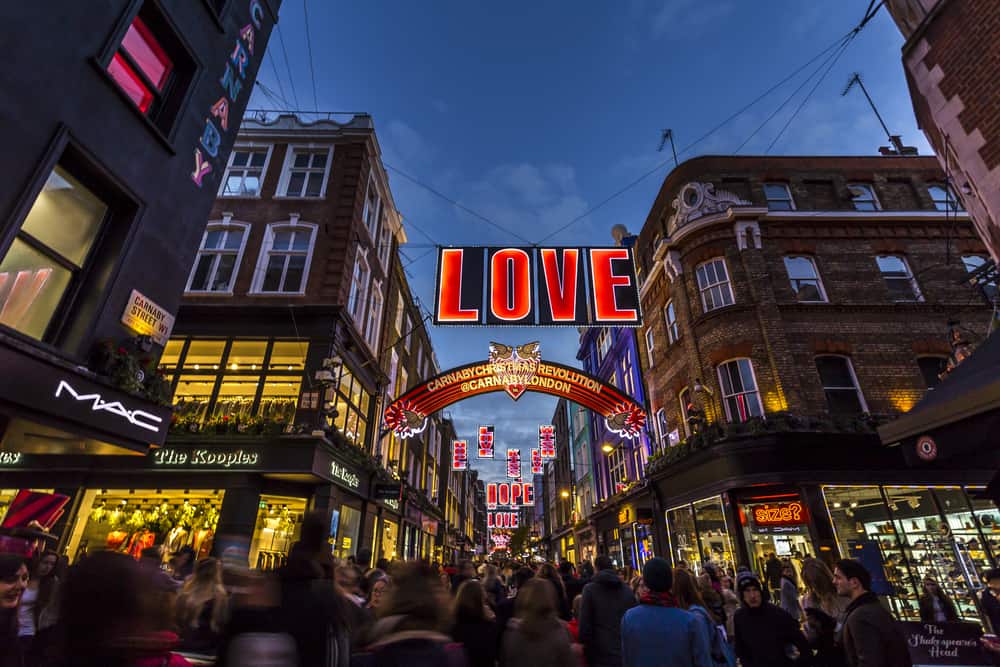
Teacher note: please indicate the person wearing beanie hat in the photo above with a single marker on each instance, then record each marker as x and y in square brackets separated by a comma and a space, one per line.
[658, 632]
[766, 635]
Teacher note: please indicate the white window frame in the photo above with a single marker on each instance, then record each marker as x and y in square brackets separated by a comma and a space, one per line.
[918, 295]
[673, 327]
[721, 285]
[227, 225]
[819, 280]
[870, 187]
[265, 253]
[662, 428]
[384, 243]
[722, 388]
[358, 296]
[788, 192]
[288, 167]
[399, 313]
[951, 203]
[393, 371]
[854, 379]
[373, 323]
[368, 219]
[650, 339]
[603, 344]
[253, 148]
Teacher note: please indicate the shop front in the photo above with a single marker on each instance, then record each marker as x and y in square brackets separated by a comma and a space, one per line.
[698, 533]
[624, 531]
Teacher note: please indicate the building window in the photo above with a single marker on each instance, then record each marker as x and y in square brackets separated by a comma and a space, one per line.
[373, 325]
[351, 401]
[684, 398]
[49, 253]
[283, 266]
[649, 345]
[898, 279]
[618, 469]
[944, 198]
[628, 381]
[973, 263]
[219, 255]
[399, 313]
[305, 172]
[603, 344]
[713, 283]
[863, 196]
[141, 66]
[245, 173]
[805, 279]
[673, 329]
[373, 207]
[931, 368]
[384, 244]
[662, 427]
[779, 197]
[739, 390]
[359, 287]
[843, 397]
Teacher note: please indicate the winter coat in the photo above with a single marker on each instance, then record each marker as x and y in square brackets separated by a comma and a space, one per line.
[719, 650]
[766, 634]
[605, 600]
[927, 609]
[991, 609]
[871, 637]
[550, 646]
[655, 636]
[478, 639]
[772, 572]
[790, 598]
[412, 648]
[573, 586]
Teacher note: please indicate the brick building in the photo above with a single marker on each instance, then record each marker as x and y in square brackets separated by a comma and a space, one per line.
[952, 59]
[792, 304]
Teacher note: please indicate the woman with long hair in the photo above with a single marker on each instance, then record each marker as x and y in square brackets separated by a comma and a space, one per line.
[688, 594]
[37, 614]
[374, 586]
[474, 625]
[202, 608]
[711, 596]
[493, 586]
[790, 591]
[549, 573]
[935, 605]
[535, 636]
[824, 613]
[13, 581]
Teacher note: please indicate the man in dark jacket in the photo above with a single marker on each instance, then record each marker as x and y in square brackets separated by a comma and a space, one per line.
[766, 635]
[605, 600]
[870, 635]
[505, 610]
[571, 583]
[991, 599]
[772, 573]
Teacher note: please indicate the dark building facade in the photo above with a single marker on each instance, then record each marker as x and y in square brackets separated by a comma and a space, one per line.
[112, 166]
[792, 305]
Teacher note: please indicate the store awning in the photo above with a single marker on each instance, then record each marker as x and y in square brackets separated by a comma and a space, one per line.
[958, 415]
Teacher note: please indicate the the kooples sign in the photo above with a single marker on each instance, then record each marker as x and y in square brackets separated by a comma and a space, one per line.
[572, 287]
[205, 458]
[342, 474]
[10, 458]
[138, 418]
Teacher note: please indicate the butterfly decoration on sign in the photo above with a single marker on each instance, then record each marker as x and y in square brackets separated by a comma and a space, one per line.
[515, 366]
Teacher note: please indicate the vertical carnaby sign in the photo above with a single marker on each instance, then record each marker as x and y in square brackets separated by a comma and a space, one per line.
[235, 83]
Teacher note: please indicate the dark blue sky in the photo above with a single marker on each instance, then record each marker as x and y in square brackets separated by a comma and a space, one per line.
[531, 113]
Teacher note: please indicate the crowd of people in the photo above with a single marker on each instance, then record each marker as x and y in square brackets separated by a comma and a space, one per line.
[110, 610]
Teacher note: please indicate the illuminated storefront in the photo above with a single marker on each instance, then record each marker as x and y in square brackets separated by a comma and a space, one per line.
[698, 532]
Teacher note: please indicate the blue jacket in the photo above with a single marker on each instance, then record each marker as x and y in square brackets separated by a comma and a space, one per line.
[654, 636]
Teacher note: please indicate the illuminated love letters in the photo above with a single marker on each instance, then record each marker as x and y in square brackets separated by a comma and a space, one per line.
[574, 287]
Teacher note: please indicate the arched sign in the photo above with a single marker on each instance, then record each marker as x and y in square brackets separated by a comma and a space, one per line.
[514, 370]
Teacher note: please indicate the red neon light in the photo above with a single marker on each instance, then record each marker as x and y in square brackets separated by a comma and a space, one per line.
[561, 286]
[510, 284]
[459, 457]
[486, 442]
[604, 282]
[450, 286]
[780, 514]
[547, 441]
[514, 463]
[536, 462]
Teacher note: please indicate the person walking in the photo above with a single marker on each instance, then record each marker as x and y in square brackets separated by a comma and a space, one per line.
[766, 635]
[772, 574]
[658, 632]
[689, 594]
[549, 573]
[492, 586]
[505, 610]
[13, 581]
[790, 592]
[536, 636]
[571, 583]
[474, 625]
[870, 637]
[935, 605]
[202, 608]
[823, 612]
[375, 584]
[990, 599]
[730, 603]
[38, 611]
[605, 600]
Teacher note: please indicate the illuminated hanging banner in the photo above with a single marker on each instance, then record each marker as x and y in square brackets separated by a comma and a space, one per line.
[459, 455]
[502, 520]
[536, 462]
[514, 463]
[510, 494]
[485, 442]
[547, 441]
[576, 287]
[515, 370]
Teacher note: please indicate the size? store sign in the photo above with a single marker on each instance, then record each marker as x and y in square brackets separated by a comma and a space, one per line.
[573, 287]
[780, 514]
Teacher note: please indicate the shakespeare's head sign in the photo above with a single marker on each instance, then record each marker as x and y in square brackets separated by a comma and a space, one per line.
[407, 415]
[573, 287]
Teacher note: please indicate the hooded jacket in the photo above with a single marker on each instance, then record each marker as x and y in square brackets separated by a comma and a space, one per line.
[766, 635]
[871, 637]
[605, 600]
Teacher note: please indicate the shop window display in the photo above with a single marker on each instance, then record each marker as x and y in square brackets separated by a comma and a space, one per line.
[683, 538]
[779, 526]
[279, 519]
[713, 533]
[390, 538]
[130, 520]
[351, 402]
[347, 532]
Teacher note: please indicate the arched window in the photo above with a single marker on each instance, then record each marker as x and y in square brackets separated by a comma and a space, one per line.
[740, 396]
[944, 198]
[285, 256]
[843, 396]
[219, 257]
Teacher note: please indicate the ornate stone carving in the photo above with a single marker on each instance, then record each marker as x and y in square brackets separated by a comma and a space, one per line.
[697, 200]
[747, 234]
